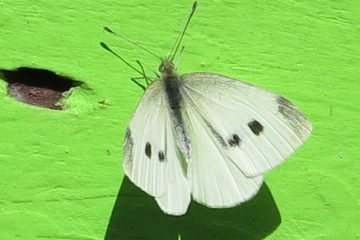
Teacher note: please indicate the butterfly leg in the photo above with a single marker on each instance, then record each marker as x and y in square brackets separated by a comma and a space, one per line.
[143, 72]
[135, 80]
[147, 79]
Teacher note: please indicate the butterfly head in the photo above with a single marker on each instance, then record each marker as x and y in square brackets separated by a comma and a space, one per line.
[167, 67]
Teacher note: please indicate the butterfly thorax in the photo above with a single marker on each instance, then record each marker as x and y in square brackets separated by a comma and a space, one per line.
[171, 83]
[167, 68]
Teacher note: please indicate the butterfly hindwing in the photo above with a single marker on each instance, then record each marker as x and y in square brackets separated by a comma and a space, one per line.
[176, 197]
[214, 179]
[255, 128]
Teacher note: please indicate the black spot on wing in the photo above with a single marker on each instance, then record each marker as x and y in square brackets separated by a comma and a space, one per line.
[294, 118]
[283, 101]
[161, 156]
[234, 140]
[148, 150]
[216, 134]
[287, 109]
[256, 127]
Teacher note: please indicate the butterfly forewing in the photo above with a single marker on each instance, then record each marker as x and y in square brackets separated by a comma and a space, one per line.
[255, 128]
[214, 179]
[145, 143]
[152, 160]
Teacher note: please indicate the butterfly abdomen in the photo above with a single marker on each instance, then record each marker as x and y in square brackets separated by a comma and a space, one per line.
[174, 101]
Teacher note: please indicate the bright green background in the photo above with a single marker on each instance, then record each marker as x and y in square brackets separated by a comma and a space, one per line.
[60, 172]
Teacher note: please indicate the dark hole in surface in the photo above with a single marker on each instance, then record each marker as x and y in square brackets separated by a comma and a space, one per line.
[39, 87]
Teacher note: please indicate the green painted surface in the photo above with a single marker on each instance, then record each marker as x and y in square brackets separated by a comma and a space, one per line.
[60, 172]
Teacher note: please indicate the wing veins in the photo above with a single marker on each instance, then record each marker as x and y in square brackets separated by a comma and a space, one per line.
[251, 141]
[250, 109]
[262, 119]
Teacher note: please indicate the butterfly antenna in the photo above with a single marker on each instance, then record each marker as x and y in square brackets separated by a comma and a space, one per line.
[180, 52]
[107, 29]
[107, 48]
[181, 35]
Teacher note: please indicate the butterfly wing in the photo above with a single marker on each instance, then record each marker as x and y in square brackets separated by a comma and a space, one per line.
[238, 132]
[214, 179]
[151, 159]
[176, 197]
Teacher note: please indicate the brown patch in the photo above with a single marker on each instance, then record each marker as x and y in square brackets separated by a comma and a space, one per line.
[37, 96]
[38, 87]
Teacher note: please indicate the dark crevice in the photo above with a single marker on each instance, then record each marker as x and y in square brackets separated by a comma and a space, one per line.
[39, 87]
[37, 77]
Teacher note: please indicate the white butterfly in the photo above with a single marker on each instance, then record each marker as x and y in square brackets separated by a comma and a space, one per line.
[207, 137]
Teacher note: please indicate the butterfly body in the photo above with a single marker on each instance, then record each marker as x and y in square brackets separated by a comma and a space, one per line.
[171, 83]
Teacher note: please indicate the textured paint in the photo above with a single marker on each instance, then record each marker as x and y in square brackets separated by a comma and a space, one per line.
[60, 172]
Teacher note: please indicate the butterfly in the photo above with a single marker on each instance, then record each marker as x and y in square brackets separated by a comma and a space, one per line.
[207, 137]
